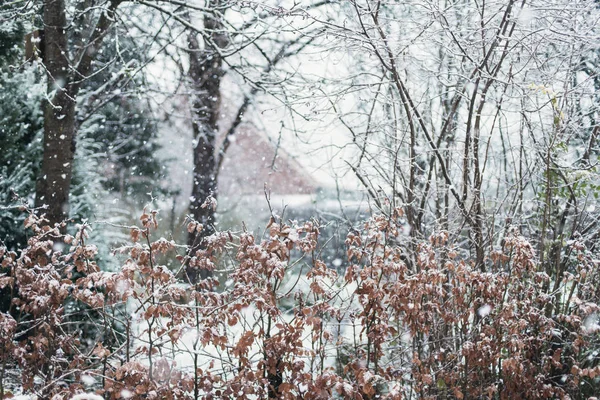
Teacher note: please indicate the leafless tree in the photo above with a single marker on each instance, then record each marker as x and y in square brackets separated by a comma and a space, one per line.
[474, 117]
[245, 39]
[67, 67]
[250, 49]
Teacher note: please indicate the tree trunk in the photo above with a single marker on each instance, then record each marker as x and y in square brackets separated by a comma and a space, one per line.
[54, 181]
[59, 149]
[64, 82]
[205, 73]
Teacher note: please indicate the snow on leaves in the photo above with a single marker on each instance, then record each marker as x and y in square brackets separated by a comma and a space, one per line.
[287, 326]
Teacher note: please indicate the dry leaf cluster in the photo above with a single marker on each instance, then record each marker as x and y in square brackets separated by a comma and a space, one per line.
[284, 324]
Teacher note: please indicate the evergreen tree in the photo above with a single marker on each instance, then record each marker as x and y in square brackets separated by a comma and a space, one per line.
[21, 94]
[123, 128]
[116, 143]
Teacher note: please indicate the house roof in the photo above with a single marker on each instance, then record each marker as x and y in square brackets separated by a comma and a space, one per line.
[252, 160]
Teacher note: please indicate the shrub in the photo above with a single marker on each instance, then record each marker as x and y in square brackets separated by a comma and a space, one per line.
[286, 325]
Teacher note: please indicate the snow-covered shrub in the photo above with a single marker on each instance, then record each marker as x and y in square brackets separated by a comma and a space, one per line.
[287, 326]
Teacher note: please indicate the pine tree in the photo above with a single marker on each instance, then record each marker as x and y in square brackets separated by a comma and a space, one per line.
[21, 126]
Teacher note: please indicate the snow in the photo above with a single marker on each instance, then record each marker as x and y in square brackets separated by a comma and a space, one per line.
[88, 380]
[590, 324]
[484, 310]
[87, 396]
[323, 146]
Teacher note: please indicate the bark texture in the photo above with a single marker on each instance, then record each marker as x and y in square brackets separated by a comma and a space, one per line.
[205, 74]
[59, 118]
[65, 78]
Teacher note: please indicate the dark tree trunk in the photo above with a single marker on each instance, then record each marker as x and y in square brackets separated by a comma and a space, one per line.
[64, 82]
[59, 118]
[59, 149]
[205, 73]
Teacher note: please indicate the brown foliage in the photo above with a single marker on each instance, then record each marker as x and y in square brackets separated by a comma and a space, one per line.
[285, 325]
